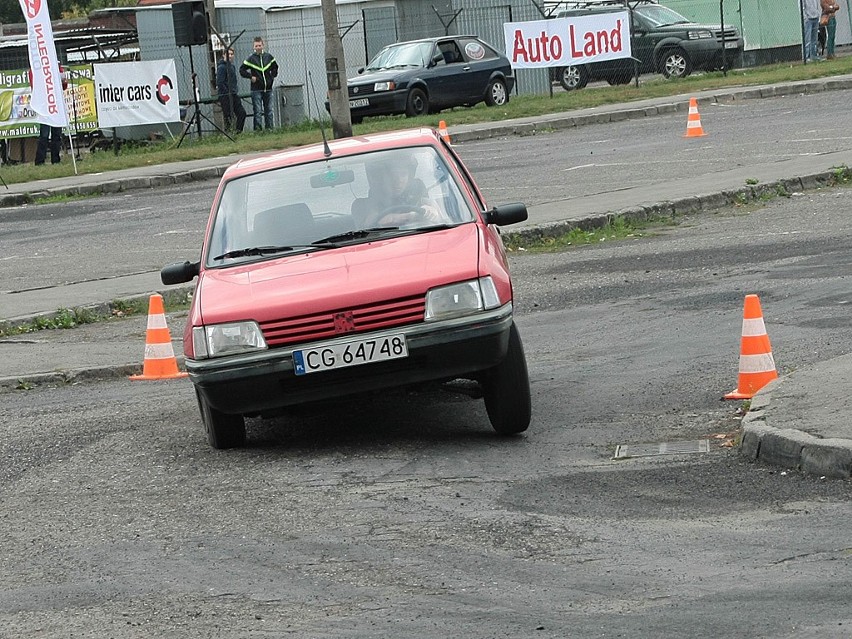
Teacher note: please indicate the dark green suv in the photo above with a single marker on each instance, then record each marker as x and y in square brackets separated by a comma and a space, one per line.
[663, 42]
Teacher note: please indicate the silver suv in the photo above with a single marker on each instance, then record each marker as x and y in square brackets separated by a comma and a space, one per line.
[663, 42]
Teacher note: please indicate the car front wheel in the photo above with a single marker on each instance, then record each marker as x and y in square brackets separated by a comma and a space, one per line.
[573, 77]
[496, 94]
[223, 430]
[506, 389]
[676, 64]
[418, 103]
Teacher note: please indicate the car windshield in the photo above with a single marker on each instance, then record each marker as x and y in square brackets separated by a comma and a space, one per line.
[335, 202]
[660, 16]
[410, 54]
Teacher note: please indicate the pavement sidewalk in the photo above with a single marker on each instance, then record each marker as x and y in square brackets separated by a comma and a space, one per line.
[799, 421]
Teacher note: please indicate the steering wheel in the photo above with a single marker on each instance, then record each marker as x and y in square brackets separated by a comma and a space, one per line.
[396, 209]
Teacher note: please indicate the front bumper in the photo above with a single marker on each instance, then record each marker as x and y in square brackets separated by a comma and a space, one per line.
[707, 54]
[260, 382]
[384, 103]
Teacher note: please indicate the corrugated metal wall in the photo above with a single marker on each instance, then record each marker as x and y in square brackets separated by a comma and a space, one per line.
[765, 24]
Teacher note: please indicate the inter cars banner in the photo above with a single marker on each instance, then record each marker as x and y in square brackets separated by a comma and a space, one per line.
[566, 41]
[130, 93]
[46, 101]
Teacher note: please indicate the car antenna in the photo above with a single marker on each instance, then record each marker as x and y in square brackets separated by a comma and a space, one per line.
[326, 149]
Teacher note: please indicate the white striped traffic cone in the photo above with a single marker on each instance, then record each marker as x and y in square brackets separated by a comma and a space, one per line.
[757, 366]
[693, 121]
[160, 361]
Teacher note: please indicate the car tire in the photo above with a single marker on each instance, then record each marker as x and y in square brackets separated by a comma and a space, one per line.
[619, 78]
[223, 430]
[417, 103]
[675, 63]
[573, 77]
[506, 389]
[496, 93]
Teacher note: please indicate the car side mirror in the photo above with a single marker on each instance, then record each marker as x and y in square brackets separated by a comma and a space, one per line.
[507, 214]
[436, 59]
[360, 70]
[180, 273]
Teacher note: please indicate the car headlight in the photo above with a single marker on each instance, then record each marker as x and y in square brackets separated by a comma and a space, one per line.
[696, 35]
[464, 298]
[227, 339]
[384, 86]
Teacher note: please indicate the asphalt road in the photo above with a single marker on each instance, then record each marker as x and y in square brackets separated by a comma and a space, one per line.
[401, 514]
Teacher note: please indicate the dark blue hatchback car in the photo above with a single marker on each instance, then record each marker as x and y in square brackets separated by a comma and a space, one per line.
[425, 76]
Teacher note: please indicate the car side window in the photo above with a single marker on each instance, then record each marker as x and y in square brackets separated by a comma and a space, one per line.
[450, 52]
[476, 50]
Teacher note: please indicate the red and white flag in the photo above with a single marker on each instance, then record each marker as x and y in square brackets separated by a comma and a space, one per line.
[47, 99]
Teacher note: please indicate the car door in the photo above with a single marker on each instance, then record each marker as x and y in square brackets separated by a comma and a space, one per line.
[481, 61]
[451, 75]
[644, 41]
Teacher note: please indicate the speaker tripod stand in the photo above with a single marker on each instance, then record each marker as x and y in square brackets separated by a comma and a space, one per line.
[197, 114]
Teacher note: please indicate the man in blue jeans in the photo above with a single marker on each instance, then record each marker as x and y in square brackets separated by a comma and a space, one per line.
[811, 10]
[261, 69]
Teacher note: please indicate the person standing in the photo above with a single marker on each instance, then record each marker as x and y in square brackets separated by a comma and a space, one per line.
[261, 69]
[829, 8]
[49, 136]
[812, 10]
[226, 85]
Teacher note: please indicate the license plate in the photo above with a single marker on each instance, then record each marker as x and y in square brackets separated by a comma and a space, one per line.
[360, 102]
[351, 353]
[731, 45]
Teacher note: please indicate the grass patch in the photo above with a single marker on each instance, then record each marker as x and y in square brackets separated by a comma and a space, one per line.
[216, 145]
[54, 199]
[614, 230]
[65, 318]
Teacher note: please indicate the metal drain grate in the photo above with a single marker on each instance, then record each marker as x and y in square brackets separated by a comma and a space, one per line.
[664, 448]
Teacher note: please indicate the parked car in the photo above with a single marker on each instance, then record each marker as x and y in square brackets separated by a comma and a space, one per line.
[425, 76]
[358, 265]
[663, 42]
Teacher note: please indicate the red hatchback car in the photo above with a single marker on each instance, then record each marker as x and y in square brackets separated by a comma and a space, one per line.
[361, 264]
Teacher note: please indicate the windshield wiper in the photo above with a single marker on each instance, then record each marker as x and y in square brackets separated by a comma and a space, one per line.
[356, 235]
[266, 250]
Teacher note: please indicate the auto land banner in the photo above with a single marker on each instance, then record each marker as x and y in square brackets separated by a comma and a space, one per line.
[130, 93]
[46, 100]
[566, 41]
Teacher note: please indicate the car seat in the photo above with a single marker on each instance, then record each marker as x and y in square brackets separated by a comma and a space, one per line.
[284, 225]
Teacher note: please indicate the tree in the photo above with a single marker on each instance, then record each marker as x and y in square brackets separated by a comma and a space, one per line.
[335, 70]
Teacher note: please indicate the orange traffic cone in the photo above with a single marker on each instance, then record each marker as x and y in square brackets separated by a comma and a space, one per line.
[442, 131]
[160, 362]
[757, 366]
[693, 121]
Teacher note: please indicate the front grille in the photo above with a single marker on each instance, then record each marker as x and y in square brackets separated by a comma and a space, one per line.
[359, 90]
[730, 34]
[309, 328]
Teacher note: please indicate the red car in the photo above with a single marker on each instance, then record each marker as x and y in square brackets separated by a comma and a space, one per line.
[356, 265]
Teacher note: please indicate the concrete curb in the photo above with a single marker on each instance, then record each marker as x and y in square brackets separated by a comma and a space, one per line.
[695, 204]
[171, 297]
[791, 448]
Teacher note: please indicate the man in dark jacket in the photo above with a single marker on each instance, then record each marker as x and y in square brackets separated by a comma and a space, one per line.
[262, 69]
[226, 86]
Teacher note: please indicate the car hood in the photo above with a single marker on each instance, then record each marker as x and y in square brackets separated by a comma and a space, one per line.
[337, 279]
[689, 26]
[369, 77]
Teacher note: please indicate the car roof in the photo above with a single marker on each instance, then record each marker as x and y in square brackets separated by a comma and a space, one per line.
[342, 147]
[437, 39]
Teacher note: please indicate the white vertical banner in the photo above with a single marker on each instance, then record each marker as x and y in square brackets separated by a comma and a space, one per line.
[47, 99]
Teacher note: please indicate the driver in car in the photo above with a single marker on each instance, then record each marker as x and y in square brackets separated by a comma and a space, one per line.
[396, 197]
